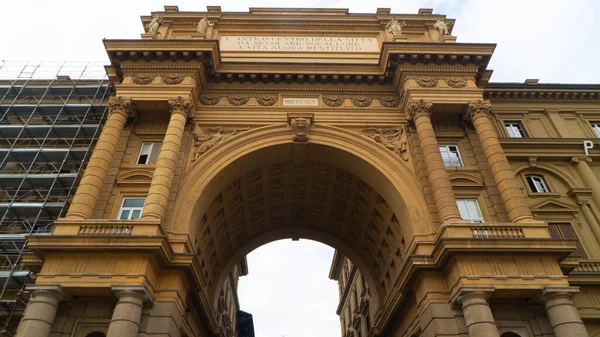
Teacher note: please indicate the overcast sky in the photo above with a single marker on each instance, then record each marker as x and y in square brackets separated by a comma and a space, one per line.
[288, 291]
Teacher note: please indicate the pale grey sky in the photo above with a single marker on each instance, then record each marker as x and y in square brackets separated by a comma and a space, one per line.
[288, 291]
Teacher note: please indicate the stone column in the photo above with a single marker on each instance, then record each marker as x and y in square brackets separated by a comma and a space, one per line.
[589, 179]
[584, 206]
[562, 313]
[476, 310]
[477, 112]
[419, 113]
[126, 317]
[84, 201]
[158, 195]
[41, 310]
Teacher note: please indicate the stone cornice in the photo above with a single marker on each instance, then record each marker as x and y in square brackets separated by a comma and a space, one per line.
[505, 92]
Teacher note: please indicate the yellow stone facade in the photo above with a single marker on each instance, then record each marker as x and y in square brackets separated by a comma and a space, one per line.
[325, 125]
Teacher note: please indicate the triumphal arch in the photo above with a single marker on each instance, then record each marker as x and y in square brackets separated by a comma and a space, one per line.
[376, 134]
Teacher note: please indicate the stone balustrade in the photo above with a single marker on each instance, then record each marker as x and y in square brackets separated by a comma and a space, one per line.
[487, 232]
[105, 229]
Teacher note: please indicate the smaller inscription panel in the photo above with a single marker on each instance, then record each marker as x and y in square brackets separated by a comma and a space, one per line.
[300, 101]
[300, 44]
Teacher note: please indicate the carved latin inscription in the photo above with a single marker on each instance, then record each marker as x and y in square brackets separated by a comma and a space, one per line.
[300, 44]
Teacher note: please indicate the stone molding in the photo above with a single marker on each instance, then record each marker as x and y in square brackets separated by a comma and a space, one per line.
[456, 82]
[362, 101]
[389, 101]
[267, 100]
[238, 100]
[333, 101]
[172, 78]
[143, 78]
[209, 99]
[466, 292]
[427, 82]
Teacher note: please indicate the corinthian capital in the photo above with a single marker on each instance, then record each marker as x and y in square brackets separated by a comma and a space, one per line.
[122, 105]
[182, 106]
[477, 108]
[417, 108]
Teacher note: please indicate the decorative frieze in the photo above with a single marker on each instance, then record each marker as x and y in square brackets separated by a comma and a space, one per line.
[267, 100]
[209, 99]
[238, 100]
[172, 78]
[333, 101]
[143, 78]
[390, 101]
[456, 82]
[427, 82]
[362, 101]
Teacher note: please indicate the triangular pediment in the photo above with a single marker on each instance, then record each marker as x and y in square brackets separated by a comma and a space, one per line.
[553, 205]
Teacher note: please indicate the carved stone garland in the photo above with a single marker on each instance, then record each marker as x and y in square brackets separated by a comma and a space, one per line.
[427, 82]
[394, 139]
[362, 101]
[333, 101]
[238, 100]
[172, 78]
[456, 82]
[266, 100]
[143, 78]
[209, 99]
[390, 101]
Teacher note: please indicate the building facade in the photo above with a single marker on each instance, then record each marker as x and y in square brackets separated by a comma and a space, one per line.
[454, 205]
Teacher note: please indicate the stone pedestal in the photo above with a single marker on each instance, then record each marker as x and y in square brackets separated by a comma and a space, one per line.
[562, 313]
[125, 320]
[476, 310]
[41, 311]
[441, 188]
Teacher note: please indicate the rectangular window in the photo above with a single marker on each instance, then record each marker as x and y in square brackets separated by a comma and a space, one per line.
[565, 231]
[149, 153]
[450, 155]
[131, 208]
[537, 184]
[515, 129]
[596, 128]
[469, 210]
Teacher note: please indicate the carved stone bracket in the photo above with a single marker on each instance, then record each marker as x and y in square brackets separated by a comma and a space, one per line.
[333, 101]
[209, 137]
[181, 105]
[427, 82]
[209, 99]
[362, 101]
[267, 100]
[143, 78]
[390, 101]
[456, 82]
[476, 108]
[300, 123]
[394, 139]
[172, 78]
[416, 108]
[123, 105]
[238, 100]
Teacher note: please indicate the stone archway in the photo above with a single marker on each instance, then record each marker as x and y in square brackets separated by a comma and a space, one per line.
[217, 209]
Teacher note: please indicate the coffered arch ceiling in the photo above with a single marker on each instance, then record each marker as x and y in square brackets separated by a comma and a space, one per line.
[251, 190]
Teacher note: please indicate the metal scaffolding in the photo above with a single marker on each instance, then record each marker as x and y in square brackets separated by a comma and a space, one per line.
[51, 114]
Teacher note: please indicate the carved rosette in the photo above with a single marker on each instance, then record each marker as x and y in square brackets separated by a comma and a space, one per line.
[172, 78]
[477, 108]
[393, 139]
[267, 100]
[389, 102]
[143, 78]
[427, 82]
[362, 101]
[333, 101]
[238, 100]
[122, 105]
[181, 105]
[417, 108]
[209, 99]
[300, 126]
[456, 82]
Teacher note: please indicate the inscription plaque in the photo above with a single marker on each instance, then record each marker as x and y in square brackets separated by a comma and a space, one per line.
[300, 101]
[300, 43]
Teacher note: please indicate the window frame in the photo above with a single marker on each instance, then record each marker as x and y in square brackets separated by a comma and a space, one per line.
[559, 233]
[520, 127]
[461, 163]
[131, 210]
[149, 156]
[532, 183]
[481, 219]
